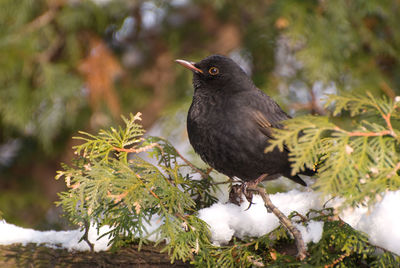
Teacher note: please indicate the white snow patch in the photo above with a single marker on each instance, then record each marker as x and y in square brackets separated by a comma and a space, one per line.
[380, 223]
[227, 220]
[312, 232]
[10, 234]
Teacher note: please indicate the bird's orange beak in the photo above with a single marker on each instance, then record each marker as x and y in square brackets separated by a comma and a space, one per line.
[189, 65]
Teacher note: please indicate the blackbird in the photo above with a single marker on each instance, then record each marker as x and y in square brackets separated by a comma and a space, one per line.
[230, 122]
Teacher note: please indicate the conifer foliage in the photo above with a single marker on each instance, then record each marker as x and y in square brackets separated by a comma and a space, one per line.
[358, 161]
[109, 188]
[112, 183]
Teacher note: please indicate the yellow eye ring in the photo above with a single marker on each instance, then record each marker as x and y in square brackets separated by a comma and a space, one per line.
[213, 71]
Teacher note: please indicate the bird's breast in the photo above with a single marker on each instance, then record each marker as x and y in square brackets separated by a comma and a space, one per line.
[205, 127]
[217, 135]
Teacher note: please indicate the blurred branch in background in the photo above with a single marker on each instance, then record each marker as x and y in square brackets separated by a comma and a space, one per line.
[100, 68]
[78, 64]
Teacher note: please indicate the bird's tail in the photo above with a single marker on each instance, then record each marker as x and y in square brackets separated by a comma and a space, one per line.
[297, 179]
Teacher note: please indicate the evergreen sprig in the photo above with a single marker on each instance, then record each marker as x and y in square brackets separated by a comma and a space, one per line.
[359, 161]
[109, 188]
[111, 183]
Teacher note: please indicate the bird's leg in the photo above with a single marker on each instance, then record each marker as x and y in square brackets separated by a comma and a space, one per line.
[301, 249]
[251, 184]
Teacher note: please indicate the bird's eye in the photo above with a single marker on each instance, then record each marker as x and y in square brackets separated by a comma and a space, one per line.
[213, 70]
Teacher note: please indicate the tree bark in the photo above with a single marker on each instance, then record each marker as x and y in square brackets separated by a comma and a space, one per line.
[32, 255]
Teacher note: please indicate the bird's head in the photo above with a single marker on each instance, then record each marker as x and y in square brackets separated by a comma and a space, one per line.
[218, 73]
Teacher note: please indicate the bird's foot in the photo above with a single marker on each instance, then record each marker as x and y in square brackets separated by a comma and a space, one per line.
[235, 194]
[249, 185]
[247, 194]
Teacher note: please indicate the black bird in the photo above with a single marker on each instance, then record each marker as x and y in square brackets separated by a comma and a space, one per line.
[229, 122]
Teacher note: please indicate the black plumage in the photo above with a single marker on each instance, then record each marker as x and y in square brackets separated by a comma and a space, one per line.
[229, 122]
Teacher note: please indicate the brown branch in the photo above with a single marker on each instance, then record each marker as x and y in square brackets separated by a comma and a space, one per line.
[187, 162]
[389, 124]
[386, 117]
[303, 219]
[41, 21]
[390, 130]
[136, 151]
[301, 249]
[222, 182]
[85, 236]
[388, 90]
[369, 134]
[337, 260]
[156, 196]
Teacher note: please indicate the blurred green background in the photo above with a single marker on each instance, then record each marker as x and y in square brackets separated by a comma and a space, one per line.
[69, 65]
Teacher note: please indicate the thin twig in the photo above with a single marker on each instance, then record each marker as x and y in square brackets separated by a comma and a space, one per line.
[85, 236]
[222, 182]
[136, 151]
[388, 90]
[389, 124]
[385, 116]
[303, 219]
[203, 175]
[301, 249]
[366, 134]
[369, 134]
[188, 163]
[42, 20]
[153, 194]
[337, 260]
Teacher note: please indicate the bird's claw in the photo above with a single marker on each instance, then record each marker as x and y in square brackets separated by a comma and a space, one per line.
[250, 203]
[247, 194]
[235, 194]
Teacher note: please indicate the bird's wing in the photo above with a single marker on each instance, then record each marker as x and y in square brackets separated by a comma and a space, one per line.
[263, 123]
[264, 111]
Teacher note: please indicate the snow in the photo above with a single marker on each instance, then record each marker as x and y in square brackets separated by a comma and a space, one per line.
[312, 232]
[10, 234]
[381, 223]
[378, 222]
[227, 220]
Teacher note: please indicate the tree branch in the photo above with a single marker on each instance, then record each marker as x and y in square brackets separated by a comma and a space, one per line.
[368, 134]
[301, 249]
[389, 131]
[136, 151]
[85, 236]
[42, 20]
[203, 175]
